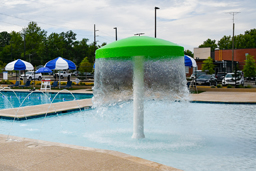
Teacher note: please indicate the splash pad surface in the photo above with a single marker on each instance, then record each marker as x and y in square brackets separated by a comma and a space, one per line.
[186, 136]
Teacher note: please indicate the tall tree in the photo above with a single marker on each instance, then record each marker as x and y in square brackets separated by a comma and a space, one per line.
[69, 41]
[55, 45]
[225, 43]
[34, 37]
[208, 66]
[14, 49]
[5, 38]
[209, 43]
[80, 50]
[249, 67]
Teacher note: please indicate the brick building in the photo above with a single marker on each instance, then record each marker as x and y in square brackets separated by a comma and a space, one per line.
[223, 59]
[222, 56]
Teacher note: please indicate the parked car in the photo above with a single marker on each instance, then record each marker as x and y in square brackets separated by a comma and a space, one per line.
[206, 80]
[229, 79]
[197, 74]
[62, 74]
[85, 75]
[219, 76]
[30, 76]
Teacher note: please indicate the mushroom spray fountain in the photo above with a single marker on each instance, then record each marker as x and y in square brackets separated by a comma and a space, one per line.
[139, 68]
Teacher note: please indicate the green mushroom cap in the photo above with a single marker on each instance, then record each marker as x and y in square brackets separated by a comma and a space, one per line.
[140, 46]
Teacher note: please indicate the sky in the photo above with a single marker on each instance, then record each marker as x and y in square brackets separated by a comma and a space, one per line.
[185, 22]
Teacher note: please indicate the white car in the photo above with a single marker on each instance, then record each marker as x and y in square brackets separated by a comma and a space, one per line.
[30, 75]
[229, 79]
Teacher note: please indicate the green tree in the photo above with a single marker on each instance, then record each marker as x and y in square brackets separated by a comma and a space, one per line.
[85, 66]
[14, 49]
[208, 66]
[249, 67]
[34, 37]
[5, 38]
[209, 43]
[189, 53]
[225, 42]
[69, 41]
[54, 47]
[80, 50]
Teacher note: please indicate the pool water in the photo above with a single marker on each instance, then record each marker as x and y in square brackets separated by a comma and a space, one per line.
[9, 99]
[187, 136]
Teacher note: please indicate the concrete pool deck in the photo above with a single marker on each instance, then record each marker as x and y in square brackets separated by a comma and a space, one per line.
[28, 154]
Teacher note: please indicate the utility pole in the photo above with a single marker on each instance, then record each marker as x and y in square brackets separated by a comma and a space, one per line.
[116, 32]
[95, 42]
[233, 39]
[155, 19]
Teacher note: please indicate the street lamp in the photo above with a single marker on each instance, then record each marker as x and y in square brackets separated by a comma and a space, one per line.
[116, 32]
[155, 19]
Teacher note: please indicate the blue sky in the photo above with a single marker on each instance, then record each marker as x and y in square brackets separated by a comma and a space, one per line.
[185, 22]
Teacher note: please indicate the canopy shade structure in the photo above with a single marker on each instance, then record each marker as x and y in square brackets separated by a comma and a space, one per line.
[137, 51]
[189, 61]
[18, 65]
[44, 70]
[60, 64]
[140, 46]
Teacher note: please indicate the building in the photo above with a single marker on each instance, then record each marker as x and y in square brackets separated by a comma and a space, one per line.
[222, 58]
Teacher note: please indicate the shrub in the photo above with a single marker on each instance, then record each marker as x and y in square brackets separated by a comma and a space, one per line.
[248, 86]
[229, 86]
[219, 86]
[240, 86]
[63, 83]
[212, 86]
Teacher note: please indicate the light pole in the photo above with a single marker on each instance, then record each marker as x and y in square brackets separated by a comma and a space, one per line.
[116, 32]
[155, 19]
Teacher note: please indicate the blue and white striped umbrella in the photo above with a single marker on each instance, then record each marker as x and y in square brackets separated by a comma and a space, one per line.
[189, 61]
[19, 65]
[60, 64]
[43, 70]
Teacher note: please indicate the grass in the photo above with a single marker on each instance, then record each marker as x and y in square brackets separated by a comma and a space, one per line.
[196, 92]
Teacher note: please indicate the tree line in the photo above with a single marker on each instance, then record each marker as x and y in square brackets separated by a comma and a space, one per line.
[241, 41]
[33, 45]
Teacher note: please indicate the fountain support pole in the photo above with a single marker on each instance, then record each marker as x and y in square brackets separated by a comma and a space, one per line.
[138, 97]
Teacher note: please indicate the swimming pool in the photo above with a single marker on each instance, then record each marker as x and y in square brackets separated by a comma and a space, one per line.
[188, 136]
[10, 99]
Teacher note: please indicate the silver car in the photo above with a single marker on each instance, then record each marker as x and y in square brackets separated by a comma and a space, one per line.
[230, 79]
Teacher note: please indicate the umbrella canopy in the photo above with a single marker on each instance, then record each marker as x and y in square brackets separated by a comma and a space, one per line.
[189, 61]
[43, 70]
[140, 46]
[60, 64]
[19, 65]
